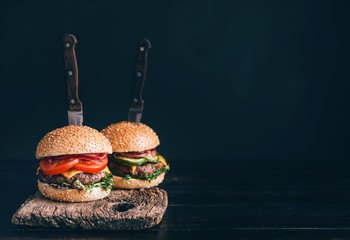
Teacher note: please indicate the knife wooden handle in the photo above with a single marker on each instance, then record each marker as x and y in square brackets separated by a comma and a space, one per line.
[71, 72]
[139, 75]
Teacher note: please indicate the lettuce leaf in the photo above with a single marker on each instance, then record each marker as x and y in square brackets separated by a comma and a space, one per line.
[106, 183]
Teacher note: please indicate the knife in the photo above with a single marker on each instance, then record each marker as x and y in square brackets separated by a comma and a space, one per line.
[139, 77]
[75, 106]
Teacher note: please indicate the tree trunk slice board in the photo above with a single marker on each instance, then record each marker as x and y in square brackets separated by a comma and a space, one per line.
[121, 210]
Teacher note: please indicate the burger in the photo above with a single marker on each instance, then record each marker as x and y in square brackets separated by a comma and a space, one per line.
[73, 165]
[134, 162]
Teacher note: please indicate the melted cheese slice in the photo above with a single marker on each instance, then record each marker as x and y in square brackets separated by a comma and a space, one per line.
[162, 160]
[132, 169]
[71, 172]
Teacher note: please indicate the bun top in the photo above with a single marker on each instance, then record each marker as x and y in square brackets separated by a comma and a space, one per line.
[131, 137]
[72, 140]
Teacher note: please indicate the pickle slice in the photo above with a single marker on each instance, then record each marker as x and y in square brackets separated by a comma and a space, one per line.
[151, 159]
[130, 161]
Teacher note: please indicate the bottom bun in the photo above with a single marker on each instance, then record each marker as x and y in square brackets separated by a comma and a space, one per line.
[136, 183]
[72, 195]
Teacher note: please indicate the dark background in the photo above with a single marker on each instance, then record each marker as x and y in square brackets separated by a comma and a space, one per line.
[226, 79]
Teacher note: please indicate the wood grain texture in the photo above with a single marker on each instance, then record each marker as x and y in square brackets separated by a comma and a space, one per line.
[121, 210]
[71, 72]
[139, 75]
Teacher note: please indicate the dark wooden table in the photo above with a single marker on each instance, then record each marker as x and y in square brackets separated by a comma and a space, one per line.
[219, 199]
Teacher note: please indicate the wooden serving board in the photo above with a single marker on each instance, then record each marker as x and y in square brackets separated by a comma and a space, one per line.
[121, 210]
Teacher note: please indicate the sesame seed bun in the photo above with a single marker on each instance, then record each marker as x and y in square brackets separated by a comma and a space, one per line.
[72, 140]
[72, 195]
[136, 183]
[131, 137]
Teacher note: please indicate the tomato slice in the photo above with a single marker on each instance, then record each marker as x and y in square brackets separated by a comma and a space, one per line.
[54, 167]
[91, 166]
[89, 163]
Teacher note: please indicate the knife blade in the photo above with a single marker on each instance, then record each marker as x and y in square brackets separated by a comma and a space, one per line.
[139, 77]
[75, 106]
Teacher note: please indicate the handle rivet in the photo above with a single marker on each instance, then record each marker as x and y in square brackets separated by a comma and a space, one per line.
[135, 100]
[72, 101]
[138, 74]
[70, 73]
[67, 45]
[142, 49]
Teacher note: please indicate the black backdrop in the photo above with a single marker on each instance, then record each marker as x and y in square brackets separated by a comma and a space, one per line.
[235, 79]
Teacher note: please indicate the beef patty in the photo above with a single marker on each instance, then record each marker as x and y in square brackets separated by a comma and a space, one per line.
[122, 170]
[84, 178]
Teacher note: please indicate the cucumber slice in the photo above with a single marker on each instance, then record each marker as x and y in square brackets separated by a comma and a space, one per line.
[152, 159]
[130, 161]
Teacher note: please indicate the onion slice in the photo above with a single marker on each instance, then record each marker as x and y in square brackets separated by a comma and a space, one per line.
[152, 152]
[88, 156]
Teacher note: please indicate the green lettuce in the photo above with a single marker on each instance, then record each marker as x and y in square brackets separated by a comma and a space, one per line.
[106, 183]
[126, 178]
